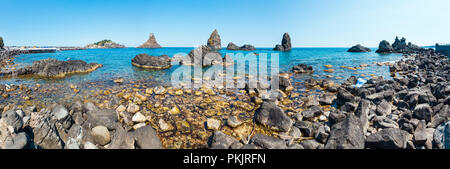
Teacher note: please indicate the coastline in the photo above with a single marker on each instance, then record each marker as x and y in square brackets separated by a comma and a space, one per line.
[179, 116]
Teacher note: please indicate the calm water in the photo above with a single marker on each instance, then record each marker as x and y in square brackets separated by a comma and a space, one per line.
[117, 63]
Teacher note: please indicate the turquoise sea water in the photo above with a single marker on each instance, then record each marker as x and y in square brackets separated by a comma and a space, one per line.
[117, 63]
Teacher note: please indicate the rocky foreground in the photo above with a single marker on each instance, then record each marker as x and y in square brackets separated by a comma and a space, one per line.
[411, 111]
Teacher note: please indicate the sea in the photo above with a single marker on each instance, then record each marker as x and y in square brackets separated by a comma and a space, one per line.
[117, 63]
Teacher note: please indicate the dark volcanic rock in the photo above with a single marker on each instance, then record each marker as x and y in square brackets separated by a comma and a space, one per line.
[232, 46]
[359, 48]
[1, 43]
[146, 138]
[220, 138]
[441, 136]
[151, 62]
[385, 47]
[246, 47]
[151, 43]
[302, 68]
[390, 138]
[346, 134]
[55, 68]
[285, 44]
[423, 112]
[273, 116]
[268, 142]
[214, 41]
[202, 56]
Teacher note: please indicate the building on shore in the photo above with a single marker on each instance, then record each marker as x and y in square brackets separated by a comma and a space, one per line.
[444, 49]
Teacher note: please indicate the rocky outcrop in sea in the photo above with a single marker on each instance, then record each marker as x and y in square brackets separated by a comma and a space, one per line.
[105, 44]
[286, 45]
[246, 47]
[151, 62]
[2, 45]
[359, 48]
[151, 43]
[52, 68]
[399, 46]
[214, 42]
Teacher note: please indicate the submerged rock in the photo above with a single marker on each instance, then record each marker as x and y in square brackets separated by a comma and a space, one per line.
[151, 62]
[52, 68]
[359, 48]
[302, 68]
[146, 138]
[151, 42]
[286, 45]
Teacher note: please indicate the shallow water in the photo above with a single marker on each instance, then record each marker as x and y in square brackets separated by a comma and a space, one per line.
[117, 63]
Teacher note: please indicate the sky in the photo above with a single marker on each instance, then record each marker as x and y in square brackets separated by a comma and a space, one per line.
[188, 23]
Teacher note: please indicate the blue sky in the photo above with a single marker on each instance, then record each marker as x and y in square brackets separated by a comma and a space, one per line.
[311, 23]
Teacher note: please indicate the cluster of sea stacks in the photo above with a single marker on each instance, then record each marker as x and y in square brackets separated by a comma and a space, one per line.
[399, 46]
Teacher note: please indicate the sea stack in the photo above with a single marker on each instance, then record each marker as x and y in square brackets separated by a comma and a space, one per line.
[385, 47]
[285, 44]
[1, 43]
[359, 48]
[214, 42]
[151, 42]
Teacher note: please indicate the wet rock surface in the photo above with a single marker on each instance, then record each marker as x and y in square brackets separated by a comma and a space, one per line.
[151, 62]
[52, 68]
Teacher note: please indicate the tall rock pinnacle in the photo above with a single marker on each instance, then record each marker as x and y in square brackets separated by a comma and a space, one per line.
[214, 41]
[151, 42]
[285, 44]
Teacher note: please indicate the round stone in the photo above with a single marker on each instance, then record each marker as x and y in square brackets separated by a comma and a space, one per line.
[101, 135]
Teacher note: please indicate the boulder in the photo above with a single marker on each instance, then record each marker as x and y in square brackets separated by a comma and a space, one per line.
[151, 62]
[441, 136]
[11, 118]
[359, 48]
[423, 112]
[286, 45]
[214, 41]
[390, 138]
[346, 134]
[268, 142]
[151, 42]
[146, 138]
[101, 135]
[220, 138]
[273, 116]
[105, 117]
[385, 47]
[17, 141]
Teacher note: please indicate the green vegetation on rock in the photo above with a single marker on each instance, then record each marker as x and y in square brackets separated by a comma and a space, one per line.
[103, 42]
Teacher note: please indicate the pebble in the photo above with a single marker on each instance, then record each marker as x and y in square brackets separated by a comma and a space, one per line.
[164, 126]
[121, 108]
